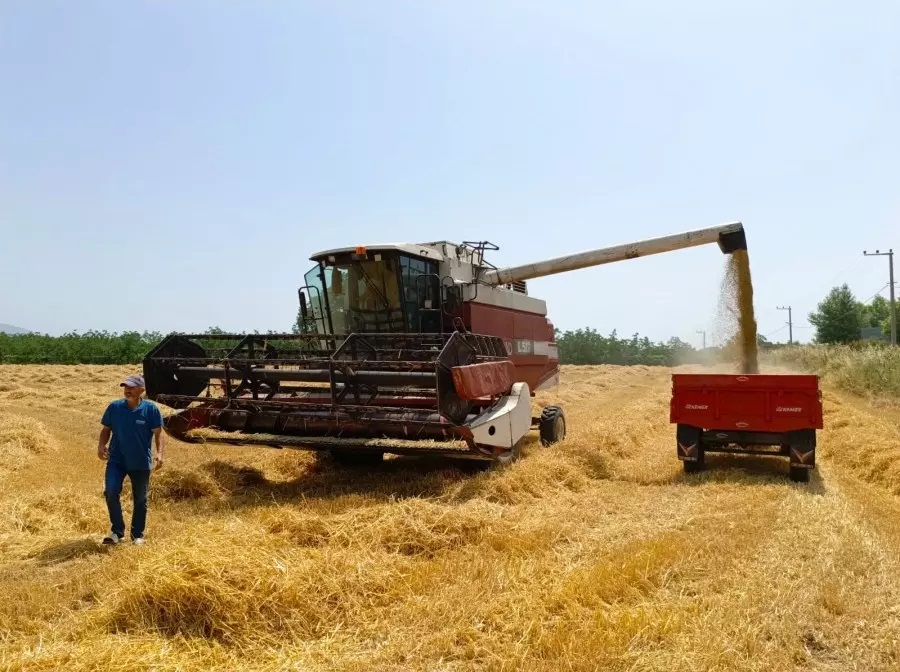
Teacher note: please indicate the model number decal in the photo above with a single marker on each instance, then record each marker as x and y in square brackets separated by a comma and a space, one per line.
[696, 407]
[789, 409]
[524, 347]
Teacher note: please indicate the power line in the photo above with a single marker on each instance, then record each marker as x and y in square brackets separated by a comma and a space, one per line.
[851, 267]
[883, 287]
[848, 269]
[772, 333]
[890, 255]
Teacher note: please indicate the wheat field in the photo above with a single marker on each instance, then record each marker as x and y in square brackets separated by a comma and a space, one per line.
[597, 553]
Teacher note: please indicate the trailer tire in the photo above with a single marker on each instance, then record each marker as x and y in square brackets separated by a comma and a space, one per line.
[688, 435]
[552, 425]
[803, 443]
[693, 467]
[799, 475]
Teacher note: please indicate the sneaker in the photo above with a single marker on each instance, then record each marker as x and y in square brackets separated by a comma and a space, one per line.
[138, 542]
[113, 538]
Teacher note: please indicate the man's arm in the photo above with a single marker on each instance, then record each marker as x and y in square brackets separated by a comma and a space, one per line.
[156, 424]
[105, 433]
[102, 445]
[158, 436]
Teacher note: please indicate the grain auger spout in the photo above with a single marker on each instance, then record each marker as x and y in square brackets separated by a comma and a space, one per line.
[729, 237]
[398, 348]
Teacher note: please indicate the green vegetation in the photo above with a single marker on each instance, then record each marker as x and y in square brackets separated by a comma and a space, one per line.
[582, 346]
[839, 316]
[864, 369]
[92, 347]
[877, 313]
[587, 346]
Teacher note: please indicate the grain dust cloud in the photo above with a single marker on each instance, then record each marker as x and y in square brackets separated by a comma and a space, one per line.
[736, 321]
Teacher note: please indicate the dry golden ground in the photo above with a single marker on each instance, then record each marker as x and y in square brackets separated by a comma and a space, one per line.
[597, 553]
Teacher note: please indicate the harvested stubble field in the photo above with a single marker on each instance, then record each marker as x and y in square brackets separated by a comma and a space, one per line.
[597, 553]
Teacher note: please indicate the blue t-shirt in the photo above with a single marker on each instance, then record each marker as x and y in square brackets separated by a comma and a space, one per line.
[132, 433]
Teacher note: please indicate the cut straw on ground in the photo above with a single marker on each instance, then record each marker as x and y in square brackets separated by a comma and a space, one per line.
[596, 553]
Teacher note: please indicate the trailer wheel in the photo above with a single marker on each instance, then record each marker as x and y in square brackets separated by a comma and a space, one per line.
[799, 475]
[692, 467]
[552, 425]
[802, 445]
[687, 436]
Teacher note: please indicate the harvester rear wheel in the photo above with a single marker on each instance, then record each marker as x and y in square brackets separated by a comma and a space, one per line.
[552, 425]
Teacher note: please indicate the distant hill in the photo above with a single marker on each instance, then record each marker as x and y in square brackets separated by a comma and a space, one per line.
[10, 329]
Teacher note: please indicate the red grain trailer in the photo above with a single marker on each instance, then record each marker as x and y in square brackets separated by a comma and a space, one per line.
[758, 414]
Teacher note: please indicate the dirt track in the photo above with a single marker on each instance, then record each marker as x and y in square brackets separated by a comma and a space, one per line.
[598, 553]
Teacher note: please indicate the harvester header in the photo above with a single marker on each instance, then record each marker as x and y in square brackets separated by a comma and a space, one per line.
[401, 348]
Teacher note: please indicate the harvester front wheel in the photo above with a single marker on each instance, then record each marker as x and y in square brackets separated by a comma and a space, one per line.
[552, 425]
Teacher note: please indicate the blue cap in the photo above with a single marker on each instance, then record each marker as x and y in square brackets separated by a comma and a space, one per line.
[133, 381]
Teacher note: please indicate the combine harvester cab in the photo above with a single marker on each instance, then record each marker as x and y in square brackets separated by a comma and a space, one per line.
[758, 414]
[404, 349]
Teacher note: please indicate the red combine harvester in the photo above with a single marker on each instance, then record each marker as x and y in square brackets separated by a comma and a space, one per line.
[404, 349]
[758, 414]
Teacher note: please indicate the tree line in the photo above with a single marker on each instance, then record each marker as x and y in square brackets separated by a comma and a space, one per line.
[588, 346]
[91, 347]
[840, 317]
[580, 346]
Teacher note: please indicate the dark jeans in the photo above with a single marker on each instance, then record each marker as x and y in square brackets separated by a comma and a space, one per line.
[140, 488]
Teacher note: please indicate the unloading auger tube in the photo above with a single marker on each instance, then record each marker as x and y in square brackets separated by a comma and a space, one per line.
[730, 237]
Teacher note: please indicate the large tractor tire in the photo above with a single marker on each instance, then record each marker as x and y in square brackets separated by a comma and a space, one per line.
[552, 425]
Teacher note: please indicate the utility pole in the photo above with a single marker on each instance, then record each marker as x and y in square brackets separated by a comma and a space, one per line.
[790, 325]
[704, 338]
[890, 255]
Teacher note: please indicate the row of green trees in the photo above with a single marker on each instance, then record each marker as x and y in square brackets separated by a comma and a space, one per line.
[91, 347]
[588, 346]
[581, 346]
[840, 316]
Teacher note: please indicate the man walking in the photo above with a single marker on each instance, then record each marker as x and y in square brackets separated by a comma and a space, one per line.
[131, 422]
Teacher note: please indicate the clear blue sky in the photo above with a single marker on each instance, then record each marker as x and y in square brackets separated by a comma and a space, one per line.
[199, 152]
